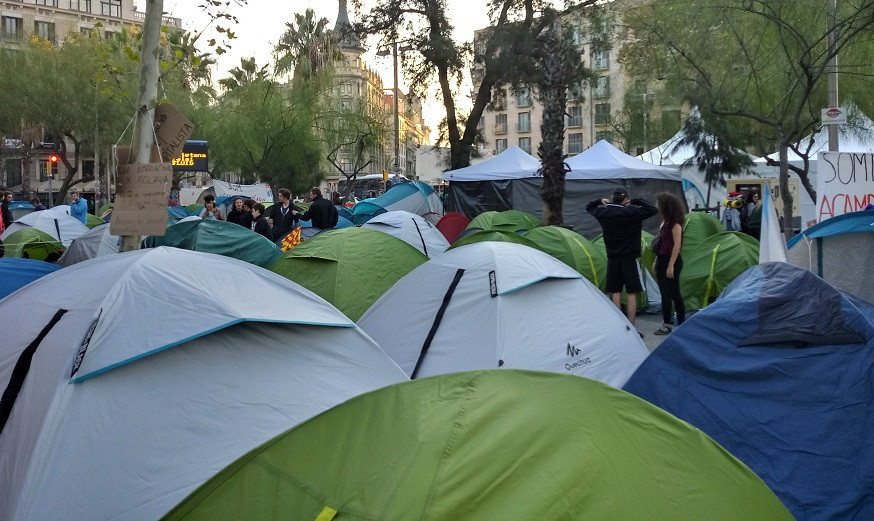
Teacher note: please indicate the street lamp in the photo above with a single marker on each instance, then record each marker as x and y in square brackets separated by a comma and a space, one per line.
[397, 127]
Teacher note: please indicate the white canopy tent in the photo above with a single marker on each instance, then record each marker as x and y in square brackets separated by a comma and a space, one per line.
[604, 161]
[513, 163]
[142, 381]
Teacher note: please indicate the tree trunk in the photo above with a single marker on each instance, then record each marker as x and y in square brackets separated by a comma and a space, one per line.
[553, 95]
[783, 148]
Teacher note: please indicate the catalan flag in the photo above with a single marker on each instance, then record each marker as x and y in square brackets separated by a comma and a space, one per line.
[291, 240]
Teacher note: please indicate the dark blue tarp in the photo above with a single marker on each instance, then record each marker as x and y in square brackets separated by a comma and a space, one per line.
[779, 372]
[17, 273]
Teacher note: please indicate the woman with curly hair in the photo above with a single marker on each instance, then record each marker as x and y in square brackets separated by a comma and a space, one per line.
[668, 262]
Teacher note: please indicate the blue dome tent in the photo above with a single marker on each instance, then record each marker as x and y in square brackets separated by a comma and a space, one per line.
[779, 372]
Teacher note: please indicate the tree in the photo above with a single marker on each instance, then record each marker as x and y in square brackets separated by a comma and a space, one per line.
[264, 130]
[761, 62]
[307, 48]
[353, 135]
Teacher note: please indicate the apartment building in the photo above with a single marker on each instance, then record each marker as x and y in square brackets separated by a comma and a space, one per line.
[52, 20]
[354, 81]
[514, 118]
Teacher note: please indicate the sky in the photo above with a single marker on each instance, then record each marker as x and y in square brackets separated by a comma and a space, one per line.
[261, 22]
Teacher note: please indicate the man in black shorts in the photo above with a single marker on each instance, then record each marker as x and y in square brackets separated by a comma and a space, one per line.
[620, 219]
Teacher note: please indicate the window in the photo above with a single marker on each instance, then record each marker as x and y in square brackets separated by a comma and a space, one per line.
[600, 58]
[50, 3]
[602, 114]
[574, 93]
[110, 35]
[575, 116]
[606, 136]
[481, 123]
[43, 170]
[110, 8]
[523, 122]
[479, 47]
[45, 30]
[12, 27]
[523, 98]
[575, 143]
[86, 31]
[478, 75]
[525, 144]
[500, 145]
[602, 87]
[12, 171]
[500, 124]
[81, 5]
[577, 35]
[500, 100]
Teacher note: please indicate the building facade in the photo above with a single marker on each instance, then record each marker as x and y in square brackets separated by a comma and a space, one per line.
[51, 20]
[356, 82]
[514, 117]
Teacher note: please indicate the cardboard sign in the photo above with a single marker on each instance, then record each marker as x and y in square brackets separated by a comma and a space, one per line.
[845, 183]
[172, 129]
[141, 199]
[124, 155]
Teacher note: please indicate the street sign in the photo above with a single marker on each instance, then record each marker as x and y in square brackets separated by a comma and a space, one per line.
[834, 116]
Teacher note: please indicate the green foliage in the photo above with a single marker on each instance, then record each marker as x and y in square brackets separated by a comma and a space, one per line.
[757, 68]
[264, 130]
[307, 47]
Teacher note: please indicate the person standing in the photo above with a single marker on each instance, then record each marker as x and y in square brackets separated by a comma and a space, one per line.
[210, 210]
[621, 220]
[246, 219]
[37, 205]
[236, 213]
[321, 212]
[668, 262]
[283, 215]
[259, 222]
[5, 211]
[79, 208]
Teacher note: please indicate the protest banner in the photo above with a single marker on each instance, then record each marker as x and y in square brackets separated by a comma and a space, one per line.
[845, 183]
[141, 199]
[259, 192]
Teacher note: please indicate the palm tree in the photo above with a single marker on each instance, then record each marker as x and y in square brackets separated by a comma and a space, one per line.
[307, 47]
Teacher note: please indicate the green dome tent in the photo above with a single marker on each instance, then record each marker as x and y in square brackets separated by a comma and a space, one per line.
[698, 227]
[573, 249]
[500, 445]
[713, 264]
[32, 244]
[493, 235]
[219, 237]
[350, 267]
[93, 221]
[507, 220]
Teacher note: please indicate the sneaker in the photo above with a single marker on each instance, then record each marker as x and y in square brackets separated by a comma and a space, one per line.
[664, 330]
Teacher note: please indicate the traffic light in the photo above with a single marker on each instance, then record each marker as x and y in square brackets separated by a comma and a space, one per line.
[53, 161]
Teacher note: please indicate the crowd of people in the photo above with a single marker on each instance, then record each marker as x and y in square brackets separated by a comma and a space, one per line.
[280, 219]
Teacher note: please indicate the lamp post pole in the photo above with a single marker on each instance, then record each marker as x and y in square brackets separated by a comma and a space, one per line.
[832, 73]
[397, 166]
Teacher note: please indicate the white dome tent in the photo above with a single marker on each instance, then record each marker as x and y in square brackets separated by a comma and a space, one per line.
[57, 222]
[493, 304]
[412, 229]
[140, 381]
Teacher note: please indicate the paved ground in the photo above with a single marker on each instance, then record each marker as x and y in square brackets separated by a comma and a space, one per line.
[647, 323]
